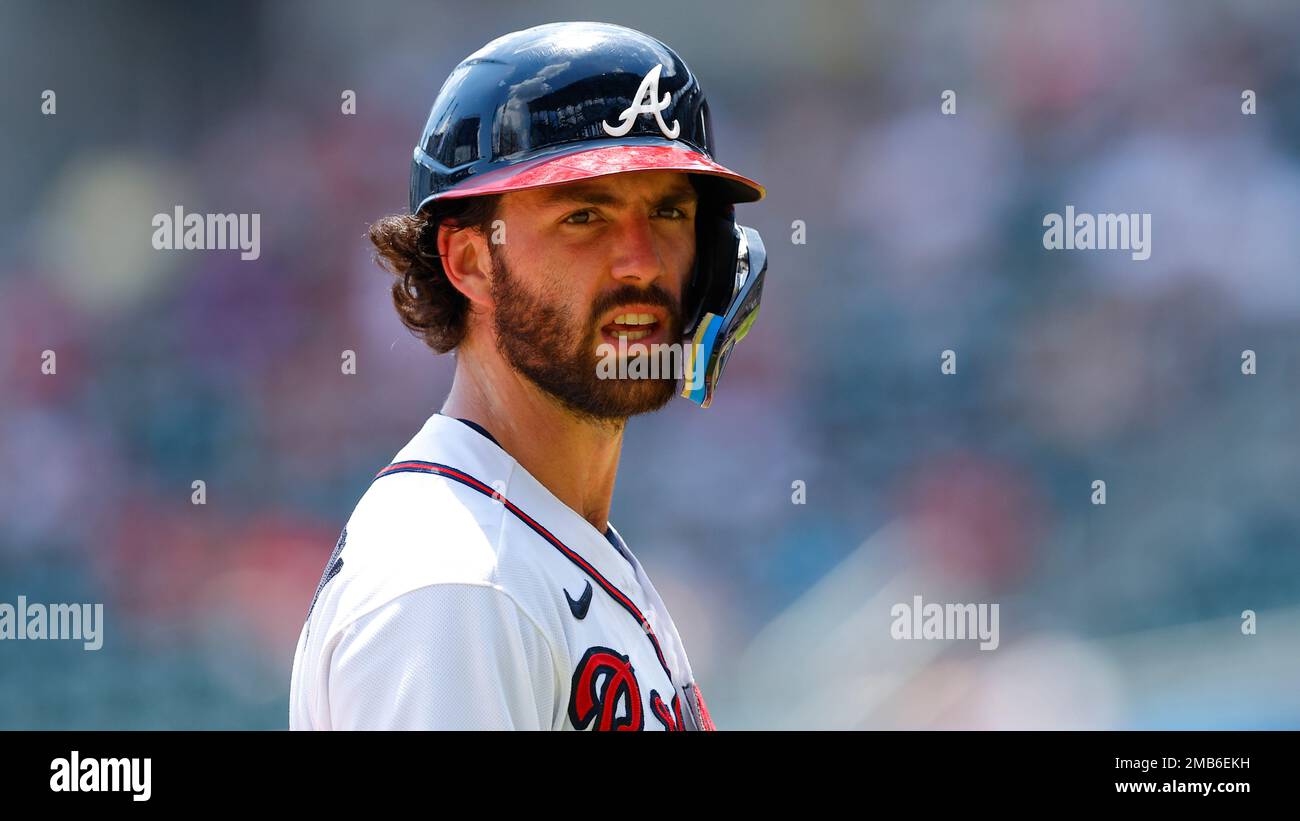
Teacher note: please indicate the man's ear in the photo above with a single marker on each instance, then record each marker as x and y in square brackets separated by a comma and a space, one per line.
[466, 262]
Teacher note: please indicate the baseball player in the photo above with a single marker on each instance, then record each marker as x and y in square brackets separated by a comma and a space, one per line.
[564, 203]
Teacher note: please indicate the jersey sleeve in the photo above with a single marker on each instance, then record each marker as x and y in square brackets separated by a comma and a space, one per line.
[444, 657]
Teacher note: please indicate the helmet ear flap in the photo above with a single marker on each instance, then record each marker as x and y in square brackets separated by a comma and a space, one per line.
[718, 332]
[712, 279]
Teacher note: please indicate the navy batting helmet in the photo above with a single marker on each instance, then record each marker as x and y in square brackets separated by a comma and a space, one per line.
[570, 101]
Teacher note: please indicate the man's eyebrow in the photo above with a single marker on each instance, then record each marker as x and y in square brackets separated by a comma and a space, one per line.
[590, 195]
[677, 196]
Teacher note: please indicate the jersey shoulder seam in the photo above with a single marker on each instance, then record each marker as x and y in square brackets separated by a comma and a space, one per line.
[350, 625]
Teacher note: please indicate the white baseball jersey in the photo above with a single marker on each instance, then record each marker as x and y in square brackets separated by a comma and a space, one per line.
[463, 595]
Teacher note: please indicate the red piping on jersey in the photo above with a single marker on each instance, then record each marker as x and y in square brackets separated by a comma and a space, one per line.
[471, 482]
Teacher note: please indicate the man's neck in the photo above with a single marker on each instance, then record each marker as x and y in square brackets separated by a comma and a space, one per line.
[574, 458]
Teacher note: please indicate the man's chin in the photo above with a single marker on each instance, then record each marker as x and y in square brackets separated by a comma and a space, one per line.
[614, 400]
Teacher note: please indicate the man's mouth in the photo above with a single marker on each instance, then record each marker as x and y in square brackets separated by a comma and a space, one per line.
[633, 326]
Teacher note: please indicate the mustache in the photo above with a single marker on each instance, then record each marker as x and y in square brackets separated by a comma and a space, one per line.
[653, 294]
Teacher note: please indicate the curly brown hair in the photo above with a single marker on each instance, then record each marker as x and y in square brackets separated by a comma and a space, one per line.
[407, 246]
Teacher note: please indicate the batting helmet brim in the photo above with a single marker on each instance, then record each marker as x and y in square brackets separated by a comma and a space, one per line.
[586, 163]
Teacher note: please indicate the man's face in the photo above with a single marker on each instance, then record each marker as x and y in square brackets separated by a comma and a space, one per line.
[584, 264]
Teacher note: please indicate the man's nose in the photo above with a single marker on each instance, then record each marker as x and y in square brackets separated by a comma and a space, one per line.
[637, 257]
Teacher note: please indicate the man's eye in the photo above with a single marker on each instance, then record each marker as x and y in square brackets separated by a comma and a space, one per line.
[671, 213]
[579, 218]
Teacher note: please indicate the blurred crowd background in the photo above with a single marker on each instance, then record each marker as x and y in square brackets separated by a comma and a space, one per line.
[924, 233]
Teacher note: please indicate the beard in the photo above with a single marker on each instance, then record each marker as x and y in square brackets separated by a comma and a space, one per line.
[555, 348]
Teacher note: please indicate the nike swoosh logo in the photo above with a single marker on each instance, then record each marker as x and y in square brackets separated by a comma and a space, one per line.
[580, 606]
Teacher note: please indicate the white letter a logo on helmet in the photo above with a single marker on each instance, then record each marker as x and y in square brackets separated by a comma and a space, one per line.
[647, 102]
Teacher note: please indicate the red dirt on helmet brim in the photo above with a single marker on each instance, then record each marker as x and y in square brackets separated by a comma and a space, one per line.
[600, 162]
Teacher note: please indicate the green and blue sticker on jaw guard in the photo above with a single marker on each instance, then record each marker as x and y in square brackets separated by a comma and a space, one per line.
[716, 336]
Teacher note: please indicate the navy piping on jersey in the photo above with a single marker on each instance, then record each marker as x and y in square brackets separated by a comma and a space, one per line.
[476, 426]
[609, 534]
[416, 466]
